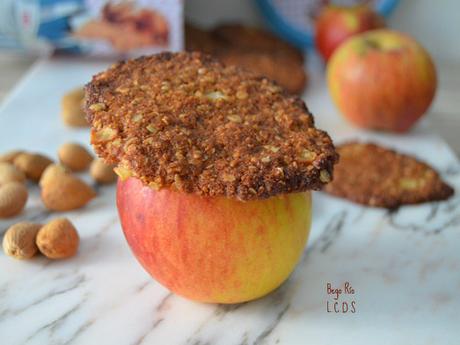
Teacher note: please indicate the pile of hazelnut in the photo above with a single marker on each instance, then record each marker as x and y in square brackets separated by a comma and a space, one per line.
[60, 190]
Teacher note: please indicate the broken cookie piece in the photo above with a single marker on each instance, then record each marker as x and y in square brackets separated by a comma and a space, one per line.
[372, 175]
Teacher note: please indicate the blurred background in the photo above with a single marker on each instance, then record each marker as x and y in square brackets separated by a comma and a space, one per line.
[435, 24]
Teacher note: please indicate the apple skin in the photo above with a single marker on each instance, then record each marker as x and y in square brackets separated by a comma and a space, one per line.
[337, 23]
[214, 249]
[382, 80]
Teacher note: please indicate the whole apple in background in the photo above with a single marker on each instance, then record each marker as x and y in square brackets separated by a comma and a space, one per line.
[214, 249]
[382, 80]
[337, 23]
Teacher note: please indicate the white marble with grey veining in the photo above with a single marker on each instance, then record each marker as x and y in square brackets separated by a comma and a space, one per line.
[404, 266]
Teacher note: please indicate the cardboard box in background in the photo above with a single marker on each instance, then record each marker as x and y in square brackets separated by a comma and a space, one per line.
[121, 28]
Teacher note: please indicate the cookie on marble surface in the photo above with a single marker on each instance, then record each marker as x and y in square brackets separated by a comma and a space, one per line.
[372, 175]
[189, 122]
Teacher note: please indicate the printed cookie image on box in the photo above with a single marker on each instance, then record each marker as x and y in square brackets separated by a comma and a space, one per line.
[129, 28]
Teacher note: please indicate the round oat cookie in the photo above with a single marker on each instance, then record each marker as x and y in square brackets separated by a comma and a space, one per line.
[188, 122]
[254, 49]
[375, 176]
[197, 39]
[276, 66]
[257, 39]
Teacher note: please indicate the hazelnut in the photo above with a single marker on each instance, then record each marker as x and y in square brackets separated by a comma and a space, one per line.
[32, 164]
[19, 240]
[13, 197]
[101, 172]
[62, 191]
[8, 157]
[58, 239]
[75, 156]
[9, 173]
[72, 108]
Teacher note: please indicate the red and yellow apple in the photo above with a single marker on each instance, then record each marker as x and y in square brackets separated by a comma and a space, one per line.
[337, 23]
[382, 80]
[214, 249]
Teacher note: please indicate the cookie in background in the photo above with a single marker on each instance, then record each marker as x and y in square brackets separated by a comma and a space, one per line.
[252, 48]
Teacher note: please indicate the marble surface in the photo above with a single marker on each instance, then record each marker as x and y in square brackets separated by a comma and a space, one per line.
[404, 267]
